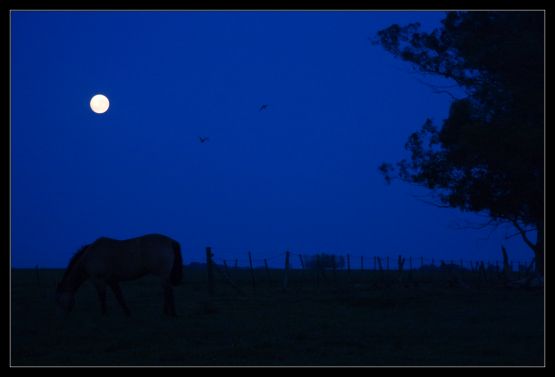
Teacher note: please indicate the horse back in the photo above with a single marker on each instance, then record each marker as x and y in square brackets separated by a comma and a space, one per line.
[131, 258]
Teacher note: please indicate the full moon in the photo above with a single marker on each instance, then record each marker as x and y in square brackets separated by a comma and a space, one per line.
[100, 104]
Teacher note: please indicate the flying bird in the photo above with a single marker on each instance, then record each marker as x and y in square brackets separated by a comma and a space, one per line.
[263, 107]
[203, 139]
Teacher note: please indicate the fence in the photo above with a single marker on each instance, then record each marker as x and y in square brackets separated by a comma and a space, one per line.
[365, 262]
[386, 268]
[304, 268]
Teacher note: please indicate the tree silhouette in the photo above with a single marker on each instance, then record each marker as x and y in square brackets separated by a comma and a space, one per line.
[488, 155]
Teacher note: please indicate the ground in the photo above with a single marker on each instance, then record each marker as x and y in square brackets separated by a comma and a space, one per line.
[361, 319]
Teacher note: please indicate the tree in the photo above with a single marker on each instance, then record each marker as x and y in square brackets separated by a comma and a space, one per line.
[488, 155]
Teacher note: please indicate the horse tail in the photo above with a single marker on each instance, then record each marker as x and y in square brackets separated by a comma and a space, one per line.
[177, 268]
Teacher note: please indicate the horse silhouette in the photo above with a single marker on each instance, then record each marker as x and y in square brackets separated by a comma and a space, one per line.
[108, 261]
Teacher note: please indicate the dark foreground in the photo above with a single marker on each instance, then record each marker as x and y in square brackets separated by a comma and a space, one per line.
[357, 321]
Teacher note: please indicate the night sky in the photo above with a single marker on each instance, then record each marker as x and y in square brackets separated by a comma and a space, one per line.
[299, 175]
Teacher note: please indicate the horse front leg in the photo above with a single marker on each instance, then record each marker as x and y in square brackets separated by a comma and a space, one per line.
[119, 297]
[101, 291]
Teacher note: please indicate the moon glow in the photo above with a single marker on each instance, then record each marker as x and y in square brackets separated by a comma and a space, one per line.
[100, 104]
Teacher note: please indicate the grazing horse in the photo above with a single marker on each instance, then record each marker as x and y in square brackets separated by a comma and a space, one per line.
[107, 261]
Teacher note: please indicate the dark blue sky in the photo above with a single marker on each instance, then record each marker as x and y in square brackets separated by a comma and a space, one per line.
[301, 175]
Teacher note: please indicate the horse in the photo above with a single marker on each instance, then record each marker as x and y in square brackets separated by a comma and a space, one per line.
[108, 261]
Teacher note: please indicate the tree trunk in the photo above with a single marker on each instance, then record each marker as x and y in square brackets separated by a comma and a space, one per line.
[537, 247]
[506, 266]
[539, 250]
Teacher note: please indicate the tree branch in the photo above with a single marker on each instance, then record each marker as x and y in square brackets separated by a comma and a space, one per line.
[419, 198]
[477, 226]
[438, 90]
[523, 234]
[518, 233]
[494, 224]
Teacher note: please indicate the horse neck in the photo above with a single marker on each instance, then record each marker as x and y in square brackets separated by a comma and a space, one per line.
[75, 278]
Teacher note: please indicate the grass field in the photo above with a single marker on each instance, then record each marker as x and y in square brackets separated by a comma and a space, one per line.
[342, 321]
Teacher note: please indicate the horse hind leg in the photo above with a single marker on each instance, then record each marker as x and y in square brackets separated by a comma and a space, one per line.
[169, 303]
[119, 297]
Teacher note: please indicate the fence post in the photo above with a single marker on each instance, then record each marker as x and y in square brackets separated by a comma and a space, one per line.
[286, 271]
[482, 271]
[530, 267]
[210, 270]
[266, 268]
[302, 261]
[317, 271]
[252, 272]
[400, 263]
[226, 276]
[37, 274]
[382, 275]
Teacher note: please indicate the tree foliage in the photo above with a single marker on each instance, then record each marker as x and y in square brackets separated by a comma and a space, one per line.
[488, 155]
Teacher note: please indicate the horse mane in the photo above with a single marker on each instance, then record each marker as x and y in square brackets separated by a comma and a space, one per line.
[73, 262]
